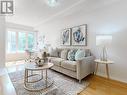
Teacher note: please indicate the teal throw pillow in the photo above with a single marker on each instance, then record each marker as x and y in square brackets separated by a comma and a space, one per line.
[80, 54]
[71, 55]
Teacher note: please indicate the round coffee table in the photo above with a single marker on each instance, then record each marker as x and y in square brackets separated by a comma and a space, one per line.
[37, 82]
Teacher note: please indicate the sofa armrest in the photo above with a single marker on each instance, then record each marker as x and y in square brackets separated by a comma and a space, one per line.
[85, 66]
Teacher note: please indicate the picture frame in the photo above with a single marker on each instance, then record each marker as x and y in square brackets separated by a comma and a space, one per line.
[66, 37]
[79, 35]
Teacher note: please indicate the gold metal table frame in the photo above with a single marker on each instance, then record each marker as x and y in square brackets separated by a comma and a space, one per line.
[30, 68]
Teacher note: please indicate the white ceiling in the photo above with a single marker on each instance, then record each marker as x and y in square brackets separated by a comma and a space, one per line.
[34, 12]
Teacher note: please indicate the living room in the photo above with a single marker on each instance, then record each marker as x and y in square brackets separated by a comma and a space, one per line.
[46, 21]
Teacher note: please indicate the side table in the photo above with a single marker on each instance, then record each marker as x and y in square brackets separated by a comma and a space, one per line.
[98, 61]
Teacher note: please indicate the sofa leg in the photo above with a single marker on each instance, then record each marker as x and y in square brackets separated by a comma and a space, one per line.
[92, 73]
[80, 81]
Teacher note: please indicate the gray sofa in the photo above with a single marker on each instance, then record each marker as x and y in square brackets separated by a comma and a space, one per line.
[76, 69]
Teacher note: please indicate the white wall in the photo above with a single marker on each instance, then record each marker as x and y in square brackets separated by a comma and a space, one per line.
[111, 19]
[19, 26]
[2, 41]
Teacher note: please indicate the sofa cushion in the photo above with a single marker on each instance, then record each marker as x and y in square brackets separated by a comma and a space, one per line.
[57, 61]
[71, 65]
[71, 55]
[59, 52]
[53, 52]
[87, 53]
[50, 58]
[64, 54]
[80, 54]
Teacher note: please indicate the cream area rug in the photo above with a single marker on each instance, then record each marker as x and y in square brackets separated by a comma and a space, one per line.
[63, 85]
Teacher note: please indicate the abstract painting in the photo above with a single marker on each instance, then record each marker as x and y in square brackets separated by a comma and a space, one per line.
[79, 35]
[65, 37]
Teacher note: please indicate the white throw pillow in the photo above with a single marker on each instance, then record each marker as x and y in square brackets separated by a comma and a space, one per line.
[64, 54]
[80, 54]
[53, 52]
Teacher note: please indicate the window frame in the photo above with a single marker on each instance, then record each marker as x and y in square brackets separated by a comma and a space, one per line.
[17, 41]
[35, 38]
[7, 42]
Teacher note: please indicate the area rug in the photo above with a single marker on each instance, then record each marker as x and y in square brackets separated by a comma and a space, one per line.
[62, 83]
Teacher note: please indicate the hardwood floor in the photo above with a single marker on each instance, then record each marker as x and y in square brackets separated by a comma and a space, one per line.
[6, 87]
[98, 85]
[102, 86]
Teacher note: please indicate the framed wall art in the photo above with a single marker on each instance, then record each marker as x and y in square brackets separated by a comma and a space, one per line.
[66, 37]
[79, 35]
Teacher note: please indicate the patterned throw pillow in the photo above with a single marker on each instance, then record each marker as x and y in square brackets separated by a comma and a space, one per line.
[71, 55]
[80, 54]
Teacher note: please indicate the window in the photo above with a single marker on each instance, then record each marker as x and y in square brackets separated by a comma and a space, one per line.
[21, 41]
[11, 42]
[31, 41]
[18, 41]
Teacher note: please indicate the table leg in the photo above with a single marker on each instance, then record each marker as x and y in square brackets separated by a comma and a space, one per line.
[96, 68]
[42, 74]
[27, 75]
[25, 78]
[107, 71]
[46, 78]
[31, 72]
